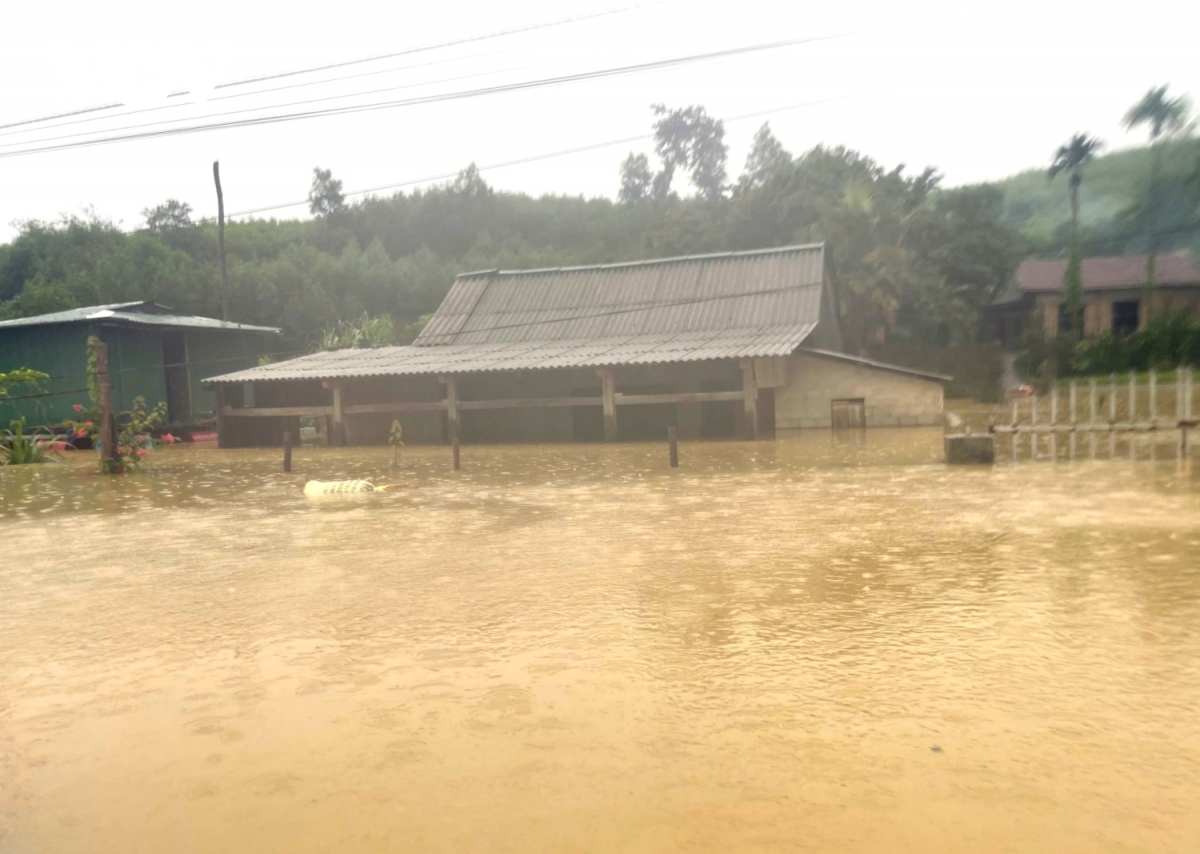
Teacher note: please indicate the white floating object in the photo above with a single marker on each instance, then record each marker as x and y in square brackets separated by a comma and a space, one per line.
[337, 487]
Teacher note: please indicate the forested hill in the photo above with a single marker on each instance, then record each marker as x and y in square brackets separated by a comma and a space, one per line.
[1112, 198]
[912, 261]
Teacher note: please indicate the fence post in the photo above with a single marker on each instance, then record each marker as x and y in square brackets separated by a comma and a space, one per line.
[1071, 450]
[1112, 415]
[1014, 435]
[1033, 437]
[1054, 423]
[108, 427]
[673, 448]
[287, 450]
[1092, 417]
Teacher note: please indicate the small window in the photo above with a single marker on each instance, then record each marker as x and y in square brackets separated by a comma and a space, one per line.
[1125, 317]
[849, 414]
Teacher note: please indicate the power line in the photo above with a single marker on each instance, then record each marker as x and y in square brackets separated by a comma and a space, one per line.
[427, 99]
[451, 43]
[329, 66]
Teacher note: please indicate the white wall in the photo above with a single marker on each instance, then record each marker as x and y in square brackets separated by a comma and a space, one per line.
[892, 399]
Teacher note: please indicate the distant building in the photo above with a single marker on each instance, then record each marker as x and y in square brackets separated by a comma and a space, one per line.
[740, 343]
[153, 352]
[1114, 292]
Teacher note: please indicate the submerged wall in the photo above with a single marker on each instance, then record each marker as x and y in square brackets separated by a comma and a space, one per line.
[890, 398]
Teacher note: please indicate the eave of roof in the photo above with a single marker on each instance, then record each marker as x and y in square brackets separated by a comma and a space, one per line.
[871, 363]
[530, 355]
[118, 313]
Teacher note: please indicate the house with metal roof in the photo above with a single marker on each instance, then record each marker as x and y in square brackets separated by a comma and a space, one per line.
[738, 343]
[153, 352]
[1115, 293]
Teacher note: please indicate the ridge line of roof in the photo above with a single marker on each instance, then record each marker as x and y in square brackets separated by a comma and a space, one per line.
[745, 253]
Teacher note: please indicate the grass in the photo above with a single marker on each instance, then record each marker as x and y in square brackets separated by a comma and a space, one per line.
[20, 448]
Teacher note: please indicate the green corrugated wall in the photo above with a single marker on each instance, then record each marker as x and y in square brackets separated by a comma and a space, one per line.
[135, 360]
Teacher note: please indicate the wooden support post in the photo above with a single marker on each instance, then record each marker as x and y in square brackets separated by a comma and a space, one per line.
[1015, 436]
[608, 391]
[750, 398]
[1054, 423]
[1154, 397]
[337, 427]
[451, 384]
[1112, 415]
[673, 448]
[1092, 417]
[457, 461]
[1074, 422]
[287, 450]
[219, 402]
[221, 241]
[108, 426]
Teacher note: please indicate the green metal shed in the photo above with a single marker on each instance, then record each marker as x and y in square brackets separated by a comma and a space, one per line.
[153, 352]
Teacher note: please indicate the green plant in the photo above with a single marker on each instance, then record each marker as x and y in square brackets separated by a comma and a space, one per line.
[20, 448]
[367, 331]
[21, 376]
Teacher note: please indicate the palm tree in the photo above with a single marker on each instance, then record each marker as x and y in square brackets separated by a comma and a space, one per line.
[1165, 117]
[1071, 158]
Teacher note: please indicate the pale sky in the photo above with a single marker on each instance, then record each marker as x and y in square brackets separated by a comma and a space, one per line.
[978, 89]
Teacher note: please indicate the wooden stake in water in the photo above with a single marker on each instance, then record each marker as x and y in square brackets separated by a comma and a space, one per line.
[1181, 446]
[1071, 449]
[454, 451]
[1054, 423]
[672, 448]
[287, 450]
[1112, 415]
[1092, 417]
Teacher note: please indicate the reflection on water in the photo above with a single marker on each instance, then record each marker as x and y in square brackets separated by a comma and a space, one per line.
[575, 648]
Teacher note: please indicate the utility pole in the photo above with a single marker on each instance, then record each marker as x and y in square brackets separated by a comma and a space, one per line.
[221, 241]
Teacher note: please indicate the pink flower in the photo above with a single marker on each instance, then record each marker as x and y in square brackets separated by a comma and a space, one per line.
[140, 437]
[80, 432]
[141, 452]
[77, 408]
[169, 439]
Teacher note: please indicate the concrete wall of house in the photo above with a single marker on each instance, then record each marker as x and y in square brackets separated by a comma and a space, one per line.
[891, 399]
[1098, 307]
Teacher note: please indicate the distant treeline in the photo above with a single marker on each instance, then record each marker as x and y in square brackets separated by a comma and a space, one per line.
[912, 261]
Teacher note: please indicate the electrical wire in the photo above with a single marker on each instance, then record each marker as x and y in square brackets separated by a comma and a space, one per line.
[329, 66]
[426, 99]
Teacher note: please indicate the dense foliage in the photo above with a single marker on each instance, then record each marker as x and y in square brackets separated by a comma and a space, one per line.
[911, 261]
[1164, 343]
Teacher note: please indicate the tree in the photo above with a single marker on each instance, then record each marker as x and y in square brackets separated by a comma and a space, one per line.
[691, 139]
[325, 195]
[767, 157]
[1071, 158]
[637, 181]
[1165, 117]
[171, 215]
[470, 183]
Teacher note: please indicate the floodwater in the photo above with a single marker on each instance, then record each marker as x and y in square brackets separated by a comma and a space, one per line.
[804, 645]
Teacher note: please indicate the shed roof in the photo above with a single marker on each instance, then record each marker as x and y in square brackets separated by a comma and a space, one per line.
[134, 313]
[730, 291]
[532, 355]
[1121, 271]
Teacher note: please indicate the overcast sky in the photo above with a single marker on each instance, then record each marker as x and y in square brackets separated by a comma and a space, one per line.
[978, 89]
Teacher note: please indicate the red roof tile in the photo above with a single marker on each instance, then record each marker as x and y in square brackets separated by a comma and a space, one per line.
[1123, 271]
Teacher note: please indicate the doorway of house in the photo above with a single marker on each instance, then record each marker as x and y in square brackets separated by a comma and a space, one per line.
[849, 414]
[179, 398]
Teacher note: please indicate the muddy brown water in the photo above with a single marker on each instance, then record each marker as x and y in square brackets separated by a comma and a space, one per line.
[805, 645]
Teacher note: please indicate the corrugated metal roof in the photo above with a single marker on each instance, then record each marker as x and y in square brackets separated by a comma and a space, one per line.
[635, 349]
[1121, 271]
[732, 290]
[871, 363]
[138, 313]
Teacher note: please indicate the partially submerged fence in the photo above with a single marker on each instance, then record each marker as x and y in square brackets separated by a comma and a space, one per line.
[1115, 411]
